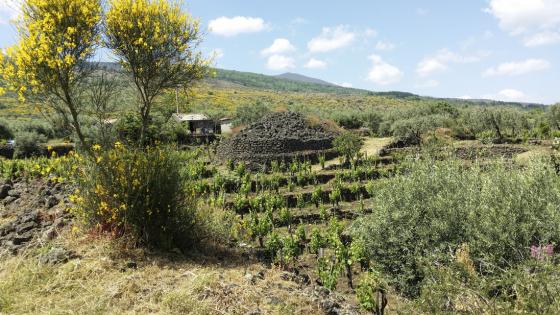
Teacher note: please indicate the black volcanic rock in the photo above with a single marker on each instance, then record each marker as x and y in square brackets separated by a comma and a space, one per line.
[277, 136]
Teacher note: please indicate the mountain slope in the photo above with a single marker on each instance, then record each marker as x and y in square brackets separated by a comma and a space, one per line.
[302, 78]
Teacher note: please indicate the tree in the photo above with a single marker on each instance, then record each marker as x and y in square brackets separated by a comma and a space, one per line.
[348, 144]
[250, 113]
[156, 45]
[49, 64]
[554, 116]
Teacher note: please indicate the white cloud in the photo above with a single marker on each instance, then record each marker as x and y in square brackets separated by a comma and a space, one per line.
[543, 38]
[537, 21]
[315, 64]
[9, 10]
[465, 97]
[228, 27]
[346, 84]
[439, 62]
[279, 46]
[518, 68]
[429, 66]
[384, 46]
[507, 95]
[511, 95]
[428, 84]
[383, 73]
[331, 38]
[370, 32]
[280, 62]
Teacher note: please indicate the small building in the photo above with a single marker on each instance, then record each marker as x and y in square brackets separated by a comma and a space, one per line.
[226, 125]
[198, 124]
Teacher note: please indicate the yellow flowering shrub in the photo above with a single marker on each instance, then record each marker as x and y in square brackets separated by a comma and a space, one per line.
[156, 44]
[56, 38]
[136, 192]
[57, 169]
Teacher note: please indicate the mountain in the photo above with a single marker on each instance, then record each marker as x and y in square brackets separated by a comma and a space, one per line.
[278, 84]
[302, 78]
[294, 82]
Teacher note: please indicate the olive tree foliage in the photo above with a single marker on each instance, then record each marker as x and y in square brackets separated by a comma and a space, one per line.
[49, 63]
[156, 45]
[554, 116]
[348, 144]
[501, 122]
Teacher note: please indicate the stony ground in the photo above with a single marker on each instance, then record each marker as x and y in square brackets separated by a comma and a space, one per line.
[47, 267]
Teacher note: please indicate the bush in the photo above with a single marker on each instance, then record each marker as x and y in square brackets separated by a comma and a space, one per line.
[138, 193]
[349, 121]
[35, 126]
[498, 211]
[348, 145]
[29, 144]
[250, 113]
[5, 131]
[530, 288]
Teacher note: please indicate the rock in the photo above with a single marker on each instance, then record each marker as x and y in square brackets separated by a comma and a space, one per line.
[14, 193]
[21, 239]
[49, 234]
[273, 300]
[330, 307]
[4, 189]
[131, 265]
[24, 227]
[8, 200]
[28, 217]
[56, 255]
[228, 288]
[255, 312]
[51, 201]
[250, 278]
[321, 291]
[276, 136]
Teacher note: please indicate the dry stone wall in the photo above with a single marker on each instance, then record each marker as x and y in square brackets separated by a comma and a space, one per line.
[278, 136]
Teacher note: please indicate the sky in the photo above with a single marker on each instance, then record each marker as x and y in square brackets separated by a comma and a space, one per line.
[499, 49]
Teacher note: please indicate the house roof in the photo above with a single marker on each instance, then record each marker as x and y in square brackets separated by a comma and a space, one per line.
[190, 117]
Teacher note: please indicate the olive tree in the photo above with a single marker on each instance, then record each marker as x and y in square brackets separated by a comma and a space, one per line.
[348, 144]
[156, 45]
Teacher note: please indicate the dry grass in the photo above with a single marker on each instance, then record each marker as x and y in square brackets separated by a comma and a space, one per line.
[372, 146]
[534, 153]
[96, 283]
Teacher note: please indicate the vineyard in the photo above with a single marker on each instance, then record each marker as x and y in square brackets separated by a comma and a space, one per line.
[314, 225]
[160, 184]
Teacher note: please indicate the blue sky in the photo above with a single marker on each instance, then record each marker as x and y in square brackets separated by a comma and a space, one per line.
[500, 49]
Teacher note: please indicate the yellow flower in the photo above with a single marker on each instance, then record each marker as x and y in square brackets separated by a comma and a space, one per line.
[96, 147]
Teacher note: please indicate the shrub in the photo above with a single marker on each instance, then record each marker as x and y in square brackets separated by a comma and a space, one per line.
[29, 144]
[5, 131]
[138, 193]
[530, 288]
[372, 293]
[250, 113]
[349, 121]
[498, 211]
[348, 145]
[37, 127]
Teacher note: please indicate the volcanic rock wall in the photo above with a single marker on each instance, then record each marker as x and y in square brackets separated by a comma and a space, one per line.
[278, 136]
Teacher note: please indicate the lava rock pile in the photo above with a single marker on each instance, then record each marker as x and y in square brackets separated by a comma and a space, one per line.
[277, 136]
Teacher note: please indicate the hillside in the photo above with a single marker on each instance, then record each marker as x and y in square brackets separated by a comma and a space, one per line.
[228, 89]
[302, 78]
